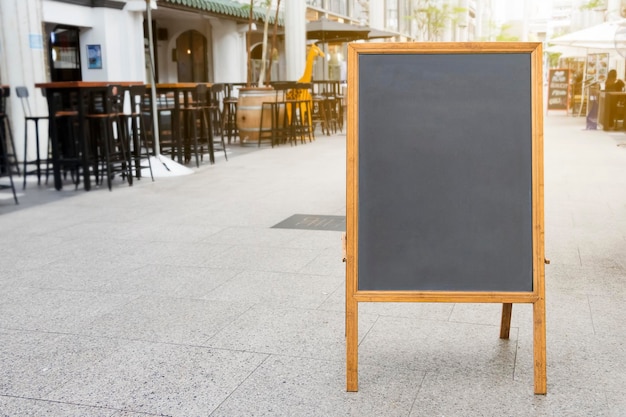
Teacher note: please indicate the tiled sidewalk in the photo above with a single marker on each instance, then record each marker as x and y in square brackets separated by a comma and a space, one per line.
[179, 298]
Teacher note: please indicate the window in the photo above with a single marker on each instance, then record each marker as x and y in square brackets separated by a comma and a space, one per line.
[64, 54]
[391, 15]
[338, 6]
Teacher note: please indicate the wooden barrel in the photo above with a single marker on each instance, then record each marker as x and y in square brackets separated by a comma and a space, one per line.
[249, 112]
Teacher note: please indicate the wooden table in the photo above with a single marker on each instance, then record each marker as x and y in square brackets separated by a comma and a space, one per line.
[186, 89]
[82, 89]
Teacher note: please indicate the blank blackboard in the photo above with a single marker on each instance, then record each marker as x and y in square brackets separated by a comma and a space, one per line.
[445, 172]
[444, 181]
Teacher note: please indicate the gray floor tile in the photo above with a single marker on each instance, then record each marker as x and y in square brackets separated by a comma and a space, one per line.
[173, 280]
[617, 403]
[328, 262]
[167, 320]
[35, 363]
[275, 289]
[160, 379]
[289, 331]
[477, 395]
[491, 314]
[608, 314]
[263, 258]
[261, 236]
[437, 346]
[584, 361]
[58, 310]
[303, 387]
[28, 407]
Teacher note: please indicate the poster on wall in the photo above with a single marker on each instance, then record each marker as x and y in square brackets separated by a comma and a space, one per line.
[597, 68]
[94, 56]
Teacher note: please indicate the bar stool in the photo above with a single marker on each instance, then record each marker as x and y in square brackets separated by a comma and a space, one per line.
[170, 143]
[5, 131]
[299, 105]
[229, 119]
[280, 129]
[110, 140]
[22, 93]
[215, 110]
[5, 169]
[216, 99]
[139, 112]
[319, 113]
[68, 147]
[332, 112]
[195, 126]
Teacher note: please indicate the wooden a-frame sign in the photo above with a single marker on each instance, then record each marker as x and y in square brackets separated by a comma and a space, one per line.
[445, 181]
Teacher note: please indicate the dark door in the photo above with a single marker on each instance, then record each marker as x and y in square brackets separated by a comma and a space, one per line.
[191, 56]
[64, 54]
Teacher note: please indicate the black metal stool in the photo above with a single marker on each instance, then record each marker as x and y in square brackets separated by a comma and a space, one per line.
[6, 132]
[5, 169]
[111, 140]
[229, 119]
[139, 112]
[22, 93]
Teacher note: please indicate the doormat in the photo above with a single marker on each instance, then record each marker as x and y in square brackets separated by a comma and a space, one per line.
[313, 222]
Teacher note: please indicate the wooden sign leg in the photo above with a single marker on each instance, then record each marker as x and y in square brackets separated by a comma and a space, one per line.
[539, 345]
[505, 322]
[352, 344]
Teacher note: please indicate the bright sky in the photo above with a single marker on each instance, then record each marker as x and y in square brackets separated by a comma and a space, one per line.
[508, 10]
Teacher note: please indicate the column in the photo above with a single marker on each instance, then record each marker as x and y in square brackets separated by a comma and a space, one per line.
[22, 62]
[295, 38]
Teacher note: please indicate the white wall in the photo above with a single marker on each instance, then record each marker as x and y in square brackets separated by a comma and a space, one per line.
[229, 51]
[118, 32]
[67, 14]
[22, 63]
[377, 14]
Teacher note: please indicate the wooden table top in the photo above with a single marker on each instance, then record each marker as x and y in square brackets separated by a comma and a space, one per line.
[86, 84]
[175, 86]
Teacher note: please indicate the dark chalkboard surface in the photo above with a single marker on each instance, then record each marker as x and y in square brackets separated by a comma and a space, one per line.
[445, 172]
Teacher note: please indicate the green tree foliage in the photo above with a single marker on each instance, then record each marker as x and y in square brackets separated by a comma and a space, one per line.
[594, 5]
[503, 36]
[432, 19]
[266, 4]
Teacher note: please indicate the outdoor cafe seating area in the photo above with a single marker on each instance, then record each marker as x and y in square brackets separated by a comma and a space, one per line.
[98, 133]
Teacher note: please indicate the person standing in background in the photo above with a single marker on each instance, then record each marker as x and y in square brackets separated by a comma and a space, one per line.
[616, 110]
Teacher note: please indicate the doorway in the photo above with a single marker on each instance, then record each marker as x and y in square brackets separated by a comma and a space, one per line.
[64, 53]
[191, 57]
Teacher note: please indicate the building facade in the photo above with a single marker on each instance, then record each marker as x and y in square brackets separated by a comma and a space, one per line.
[207, 40]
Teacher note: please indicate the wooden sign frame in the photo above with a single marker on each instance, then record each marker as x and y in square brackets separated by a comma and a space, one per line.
[351, 244]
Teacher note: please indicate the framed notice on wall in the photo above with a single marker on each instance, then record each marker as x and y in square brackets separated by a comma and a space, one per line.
[445, 180]
[94, 57]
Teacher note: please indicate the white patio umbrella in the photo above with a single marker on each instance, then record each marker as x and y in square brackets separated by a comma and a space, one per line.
[595, 39]
[567, 51]
[601, 37]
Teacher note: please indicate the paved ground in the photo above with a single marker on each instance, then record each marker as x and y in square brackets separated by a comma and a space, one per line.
[178, 298]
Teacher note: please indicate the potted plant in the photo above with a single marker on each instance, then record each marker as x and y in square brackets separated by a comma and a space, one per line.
[251, 98]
